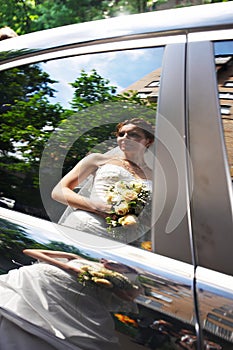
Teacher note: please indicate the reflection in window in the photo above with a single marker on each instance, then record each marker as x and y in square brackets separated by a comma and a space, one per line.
[226, 95]
[143, 94]
[229, 84]
[226, 109]
[100, 88]
[224, 69]
[147, 86]
[153, 84]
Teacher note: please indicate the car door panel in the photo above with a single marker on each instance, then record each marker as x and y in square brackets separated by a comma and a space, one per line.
[185, 275]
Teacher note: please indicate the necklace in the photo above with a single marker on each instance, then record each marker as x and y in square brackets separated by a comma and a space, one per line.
[133, 168]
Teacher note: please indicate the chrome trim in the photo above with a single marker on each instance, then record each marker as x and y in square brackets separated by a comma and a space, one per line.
[158, 23]
[95, 47]
[214, 35]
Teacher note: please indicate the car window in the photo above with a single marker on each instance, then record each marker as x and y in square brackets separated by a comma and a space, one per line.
[224, 71]
[56, 112]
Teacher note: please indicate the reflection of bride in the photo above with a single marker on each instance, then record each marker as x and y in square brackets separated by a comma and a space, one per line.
[43, 306]
[88, 214]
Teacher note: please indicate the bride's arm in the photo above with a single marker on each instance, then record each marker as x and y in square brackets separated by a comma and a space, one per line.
[63, 191]
[50, 257]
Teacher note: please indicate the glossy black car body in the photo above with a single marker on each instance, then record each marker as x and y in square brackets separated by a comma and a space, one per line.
[187, 277]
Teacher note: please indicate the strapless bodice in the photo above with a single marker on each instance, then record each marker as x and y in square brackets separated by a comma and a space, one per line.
[108, 175]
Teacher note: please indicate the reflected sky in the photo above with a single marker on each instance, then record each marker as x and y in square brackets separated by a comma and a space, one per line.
[121, 68]
[223, 48]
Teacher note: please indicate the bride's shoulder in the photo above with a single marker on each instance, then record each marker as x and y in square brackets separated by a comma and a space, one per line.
[104, 159]
[97, 159]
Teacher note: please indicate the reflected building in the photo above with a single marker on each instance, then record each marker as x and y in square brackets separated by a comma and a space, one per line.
[147, 87]
[220, 321]
[175, 299]
[224, 67]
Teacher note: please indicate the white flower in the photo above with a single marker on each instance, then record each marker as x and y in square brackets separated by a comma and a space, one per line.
[129, 195]
[122, 208]
[113, 197]
[120, 186]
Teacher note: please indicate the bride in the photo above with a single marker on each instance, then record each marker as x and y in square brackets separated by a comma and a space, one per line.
[134, 137]
[46, 306]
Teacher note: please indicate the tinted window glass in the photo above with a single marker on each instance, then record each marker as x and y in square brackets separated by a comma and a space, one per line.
[60, 111]
[224, 69]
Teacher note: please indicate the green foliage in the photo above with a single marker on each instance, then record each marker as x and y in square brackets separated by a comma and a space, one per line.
[36, 119]
[27, 120]
[122, 7]
[21, 83]
[15, 238]
[25, 16]
[91, 89]
[25, 110]
[19, 15]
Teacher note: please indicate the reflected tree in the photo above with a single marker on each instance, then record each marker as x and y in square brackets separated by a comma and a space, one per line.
[91, 89]
[15, 238]
[27, 120]
[33, 15]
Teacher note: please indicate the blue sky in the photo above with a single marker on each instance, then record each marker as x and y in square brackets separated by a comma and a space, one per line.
[121, 68]
[223, 48]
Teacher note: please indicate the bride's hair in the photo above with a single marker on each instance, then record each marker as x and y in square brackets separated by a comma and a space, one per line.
[142, 124]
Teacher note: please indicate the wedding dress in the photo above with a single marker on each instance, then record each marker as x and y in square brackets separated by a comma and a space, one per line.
[44, 307]
[106, 176]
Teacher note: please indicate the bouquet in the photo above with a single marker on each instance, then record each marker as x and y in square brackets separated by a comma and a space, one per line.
[128, 200]
[103, 277]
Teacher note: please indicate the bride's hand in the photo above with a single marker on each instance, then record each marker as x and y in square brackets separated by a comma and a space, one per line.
[102, 209]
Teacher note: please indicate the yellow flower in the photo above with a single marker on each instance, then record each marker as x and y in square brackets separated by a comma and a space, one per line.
[122, 208]
[128, 220]
[103, 282]
[84, 268]
[109, 197]
[98, 274]
[146, 245]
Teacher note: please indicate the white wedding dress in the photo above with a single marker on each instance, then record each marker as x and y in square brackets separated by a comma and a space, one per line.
[106, 176]
[44, 307]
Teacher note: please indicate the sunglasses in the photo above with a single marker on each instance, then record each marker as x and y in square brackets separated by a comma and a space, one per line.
[130, 134]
